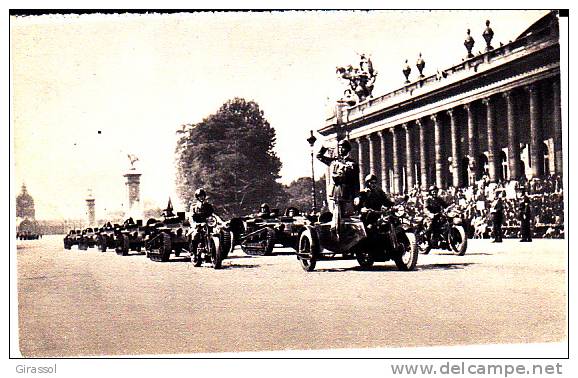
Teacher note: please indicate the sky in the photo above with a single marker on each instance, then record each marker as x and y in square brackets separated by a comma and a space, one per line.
[88, 90]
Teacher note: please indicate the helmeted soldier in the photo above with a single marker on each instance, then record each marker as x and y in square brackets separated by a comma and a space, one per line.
[201, 209]
[525, 216]
[497, 212]
[372, 198]
[264, 211]
[344, 183]
[434, 206]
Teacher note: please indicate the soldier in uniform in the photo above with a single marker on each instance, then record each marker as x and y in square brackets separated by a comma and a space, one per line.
[264, 211]
[525, 216]
[434, 206]
[497, 211]
[202, 209]
[344, 183]
[372, 198]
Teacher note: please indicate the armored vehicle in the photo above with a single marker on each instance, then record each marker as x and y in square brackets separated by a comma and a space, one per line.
[130, 237]
[258, 235]
[168, 236]
[70, 239]
[106, 236]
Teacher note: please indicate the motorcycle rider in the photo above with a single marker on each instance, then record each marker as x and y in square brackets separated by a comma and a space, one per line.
[201, 210]
[434, 207]
[344, 183]
[372, 198]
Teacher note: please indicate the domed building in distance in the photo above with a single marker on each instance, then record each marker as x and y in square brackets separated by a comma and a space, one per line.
[28, 227]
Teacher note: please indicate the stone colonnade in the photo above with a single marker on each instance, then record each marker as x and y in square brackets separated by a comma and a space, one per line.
[503, 136]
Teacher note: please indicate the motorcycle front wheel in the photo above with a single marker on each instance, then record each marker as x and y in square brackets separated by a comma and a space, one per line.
[407, 258]
[458, 240]
[423, 243]
[364, 259]
[216, 252]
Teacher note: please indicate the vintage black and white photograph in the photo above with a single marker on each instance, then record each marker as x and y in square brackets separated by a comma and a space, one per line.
[194, 183]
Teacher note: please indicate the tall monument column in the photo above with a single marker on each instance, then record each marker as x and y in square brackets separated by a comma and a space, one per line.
[536, 152]
[90, 209]
[133, 189]
[513, 143]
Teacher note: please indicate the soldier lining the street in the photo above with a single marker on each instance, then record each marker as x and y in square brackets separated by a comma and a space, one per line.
[497, 211]
[525, 216]
[344, 184]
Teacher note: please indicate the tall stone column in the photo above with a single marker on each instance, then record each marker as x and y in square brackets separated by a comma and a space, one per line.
[361, 160]
[384, 170]
[536, 152]
[372, 159]
[409, 171]
[396, 162]
[438, 151]
[491, 134]
[133, 189]
[90, 209]
[513, 141]
[472, 145]
[557, 130]
[423, 160]
[456, 155]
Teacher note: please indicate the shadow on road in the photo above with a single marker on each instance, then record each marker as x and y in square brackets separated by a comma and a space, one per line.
[248, 266]
[443, 266]
[393, 268]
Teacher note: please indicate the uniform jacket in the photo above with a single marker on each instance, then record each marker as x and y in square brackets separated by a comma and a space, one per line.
[344, 171]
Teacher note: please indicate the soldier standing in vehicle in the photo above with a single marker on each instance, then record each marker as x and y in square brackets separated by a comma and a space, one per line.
[344, 183]
[525, 216]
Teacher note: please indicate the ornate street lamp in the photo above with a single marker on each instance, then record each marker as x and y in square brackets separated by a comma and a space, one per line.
[311, 140]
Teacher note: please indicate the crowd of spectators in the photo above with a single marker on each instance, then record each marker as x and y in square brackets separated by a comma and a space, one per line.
[546, 196]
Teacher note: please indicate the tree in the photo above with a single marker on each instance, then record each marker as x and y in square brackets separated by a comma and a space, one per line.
[299, 193]
[230, 154]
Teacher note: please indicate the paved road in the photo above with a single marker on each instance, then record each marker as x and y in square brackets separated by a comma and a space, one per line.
[74, 303]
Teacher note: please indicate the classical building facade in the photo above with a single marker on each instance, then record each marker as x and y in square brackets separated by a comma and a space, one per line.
[496, 114]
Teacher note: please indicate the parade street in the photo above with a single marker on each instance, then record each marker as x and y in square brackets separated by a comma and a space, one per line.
[87, 303]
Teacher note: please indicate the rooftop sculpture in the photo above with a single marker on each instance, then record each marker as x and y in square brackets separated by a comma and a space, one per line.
[360, 80]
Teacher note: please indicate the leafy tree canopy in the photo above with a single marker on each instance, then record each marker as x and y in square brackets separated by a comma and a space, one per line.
[230, 154]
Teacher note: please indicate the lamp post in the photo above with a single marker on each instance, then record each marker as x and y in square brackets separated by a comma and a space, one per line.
[311, 140]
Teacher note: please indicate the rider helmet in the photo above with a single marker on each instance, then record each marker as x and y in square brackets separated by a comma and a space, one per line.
[200, 193]
[433, 189]
[370, 177]
[344, 143]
